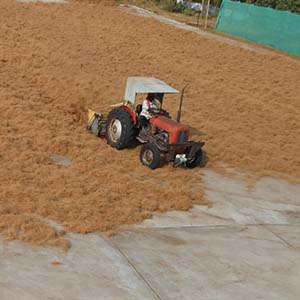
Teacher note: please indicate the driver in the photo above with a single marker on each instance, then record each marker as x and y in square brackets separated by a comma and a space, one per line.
[149, 105]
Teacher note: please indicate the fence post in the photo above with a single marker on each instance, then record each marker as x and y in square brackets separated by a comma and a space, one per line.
[202, 9]
[207, 11]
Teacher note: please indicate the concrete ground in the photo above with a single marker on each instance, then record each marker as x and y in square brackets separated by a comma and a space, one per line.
[246, 246]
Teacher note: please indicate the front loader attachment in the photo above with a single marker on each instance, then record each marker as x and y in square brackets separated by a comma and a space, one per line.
[96, 123]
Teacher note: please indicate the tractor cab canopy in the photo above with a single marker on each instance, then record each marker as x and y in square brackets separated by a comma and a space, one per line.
[145, 85]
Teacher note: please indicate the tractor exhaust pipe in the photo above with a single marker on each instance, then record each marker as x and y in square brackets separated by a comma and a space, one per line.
[180, 104]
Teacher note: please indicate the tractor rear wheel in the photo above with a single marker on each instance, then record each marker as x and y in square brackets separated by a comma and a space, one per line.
[120, 130]
[150, 156]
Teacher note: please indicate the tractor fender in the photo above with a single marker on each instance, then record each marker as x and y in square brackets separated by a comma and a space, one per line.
[132, 114]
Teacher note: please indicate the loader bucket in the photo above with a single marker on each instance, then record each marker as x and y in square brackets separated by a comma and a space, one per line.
[96, 123]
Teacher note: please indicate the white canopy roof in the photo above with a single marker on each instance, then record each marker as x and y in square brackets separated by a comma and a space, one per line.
[144, 85]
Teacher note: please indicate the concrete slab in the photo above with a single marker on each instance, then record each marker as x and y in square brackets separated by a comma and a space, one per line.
[214, 263]
[289, 234]
[206, 253]
[196, 216]
[91, 269]
[61, 160]
[267, 201]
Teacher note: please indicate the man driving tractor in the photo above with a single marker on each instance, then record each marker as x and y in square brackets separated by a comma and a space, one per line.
[148, 107]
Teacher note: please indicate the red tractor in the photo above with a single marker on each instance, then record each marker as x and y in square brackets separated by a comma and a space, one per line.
[162, 137]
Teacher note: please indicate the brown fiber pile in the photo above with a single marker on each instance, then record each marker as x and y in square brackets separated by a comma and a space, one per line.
[58, 59]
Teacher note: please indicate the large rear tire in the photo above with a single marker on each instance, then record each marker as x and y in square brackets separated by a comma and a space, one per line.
[150, 156]
[120, 131]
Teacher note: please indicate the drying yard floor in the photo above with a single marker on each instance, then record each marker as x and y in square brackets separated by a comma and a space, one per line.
[246, 246]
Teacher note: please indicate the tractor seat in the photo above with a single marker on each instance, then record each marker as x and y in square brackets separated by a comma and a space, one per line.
[138, 109]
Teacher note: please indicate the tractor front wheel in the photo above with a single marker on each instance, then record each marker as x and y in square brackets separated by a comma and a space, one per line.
[150, 156]
[194, 156]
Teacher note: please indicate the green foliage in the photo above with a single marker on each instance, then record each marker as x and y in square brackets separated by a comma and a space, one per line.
[172, 6]
[189, 11]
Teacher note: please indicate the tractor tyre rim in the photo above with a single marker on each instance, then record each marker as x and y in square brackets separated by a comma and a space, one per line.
[115, 130]
[147, 157]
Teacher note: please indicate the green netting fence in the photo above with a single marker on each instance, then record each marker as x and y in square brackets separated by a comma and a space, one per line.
[279, 29]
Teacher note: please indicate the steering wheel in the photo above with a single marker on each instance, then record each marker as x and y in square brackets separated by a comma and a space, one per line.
[154, 111]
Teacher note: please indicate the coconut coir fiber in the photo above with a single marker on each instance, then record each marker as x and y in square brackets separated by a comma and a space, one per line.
[58, 60]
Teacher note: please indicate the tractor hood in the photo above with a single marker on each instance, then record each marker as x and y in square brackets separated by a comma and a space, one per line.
[168, 125]
[145, 85]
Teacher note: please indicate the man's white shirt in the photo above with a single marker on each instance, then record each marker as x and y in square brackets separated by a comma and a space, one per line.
[146, 106]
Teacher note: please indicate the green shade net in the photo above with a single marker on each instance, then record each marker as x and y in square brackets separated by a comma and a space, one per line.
[279, 29]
